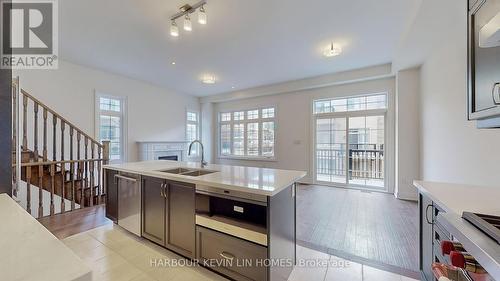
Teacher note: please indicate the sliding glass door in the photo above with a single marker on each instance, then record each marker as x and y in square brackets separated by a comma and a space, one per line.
[350, 141]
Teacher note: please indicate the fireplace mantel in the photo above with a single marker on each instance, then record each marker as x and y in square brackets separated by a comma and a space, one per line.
[152, 150]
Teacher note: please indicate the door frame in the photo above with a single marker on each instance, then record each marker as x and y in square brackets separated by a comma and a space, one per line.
[389, 132]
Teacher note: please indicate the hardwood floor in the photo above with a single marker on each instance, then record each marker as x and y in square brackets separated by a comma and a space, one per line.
[70, 223]
[366, 227]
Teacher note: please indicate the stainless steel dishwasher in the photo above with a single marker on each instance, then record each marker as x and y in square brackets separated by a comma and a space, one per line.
[129, 202]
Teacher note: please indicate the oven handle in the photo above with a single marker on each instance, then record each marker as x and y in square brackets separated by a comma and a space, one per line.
[427, 214]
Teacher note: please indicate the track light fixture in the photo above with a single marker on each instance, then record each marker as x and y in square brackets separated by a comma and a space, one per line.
[187, 23]
[174, 30]
[185, 10]
[202, 16]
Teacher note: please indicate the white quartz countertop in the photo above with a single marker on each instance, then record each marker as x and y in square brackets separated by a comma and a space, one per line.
[262, 181]
[457, 198]
[28, 251]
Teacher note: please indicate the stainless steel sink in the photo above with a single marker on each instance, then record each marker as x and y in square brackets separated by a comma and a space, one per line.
[197, 173]
[188, 172]
[177, 171]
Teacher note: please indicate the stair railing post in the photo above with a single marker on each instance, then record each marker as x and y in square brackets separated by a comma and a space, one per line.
[63, 176]
[99, 166]
[52, 187]
[16, 131]
[105, 152]
[92, 180]
[40, 191]
[72, 168]
[86, 166]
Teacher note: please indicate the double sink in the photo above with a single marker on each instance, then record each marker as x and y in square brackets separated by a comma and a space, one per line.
[188, 172]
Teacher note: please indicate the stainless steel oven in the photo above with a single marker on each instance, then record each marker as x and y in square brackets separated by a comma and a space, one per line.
[484, 62]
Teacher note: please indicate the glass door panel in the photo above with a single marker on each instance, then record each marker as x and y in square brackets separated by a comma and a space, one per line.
[331, 134]
[366, 151]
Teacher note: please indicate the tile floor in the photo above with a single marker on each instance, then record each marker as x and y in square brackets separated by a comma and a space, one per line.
[114, 254]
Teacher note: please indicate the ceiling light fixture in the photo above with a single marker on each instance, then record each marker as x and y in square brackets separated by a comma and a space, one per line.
[208, 79]
[174, 30]
[202, 16]
[173, 63]
[184, 11]
[332, 51]
[187, 23]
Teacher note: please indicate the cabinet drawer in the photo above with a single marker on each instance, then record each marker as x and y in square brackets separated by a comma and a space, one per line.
[231, 256]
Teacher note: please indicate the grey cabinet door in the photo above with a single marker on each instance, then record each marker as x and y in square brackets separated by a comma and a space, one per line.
[426, 240]
[153, 210]
[111, 195]
[180, 226]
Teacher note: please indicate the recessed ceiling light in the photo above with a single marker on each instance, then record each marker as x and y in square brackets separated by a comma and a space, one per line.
[332, 50]
[173, 63]
[208, 79]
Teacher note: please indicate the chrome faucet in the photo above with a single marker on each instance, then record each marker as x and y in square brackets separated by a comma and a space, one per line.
[203, 163]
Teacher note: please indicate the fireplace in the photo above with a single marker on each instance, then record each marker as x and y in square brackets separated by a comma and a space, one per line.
[169, 157]
[175, 151]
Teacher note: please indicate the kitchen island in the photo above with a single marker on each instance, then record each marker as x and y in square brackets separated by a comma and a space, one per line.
[238, 221]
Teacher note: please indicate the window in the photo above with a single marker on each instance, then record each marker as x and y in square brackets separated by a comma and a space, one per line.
[370, 102]
[350, 141]
[192, 130]
[247, 133]
[110, 124]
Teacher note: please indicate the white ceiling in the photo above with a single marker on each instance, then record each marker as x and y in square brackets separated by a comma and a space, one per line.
[245, 43]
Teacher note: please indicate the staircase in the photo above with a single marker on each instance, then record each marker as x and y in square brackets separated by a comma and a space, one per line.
[71, 178]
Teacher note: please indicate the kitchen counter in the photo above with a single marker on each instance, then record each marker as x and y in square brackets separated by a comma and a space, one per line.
[451, 201]
[31, 252]
[261, 181]
[456, 198]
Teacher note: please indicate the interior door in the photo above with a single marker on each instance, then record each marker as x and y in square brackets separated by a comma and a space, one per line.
[153, 210]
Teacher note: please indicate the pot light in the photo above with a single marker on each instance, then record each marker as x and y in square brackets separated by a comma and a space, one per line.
[332, 51]
[173, 63]
[202, 16]
[174, 30]
[208, 79]
[187, 23]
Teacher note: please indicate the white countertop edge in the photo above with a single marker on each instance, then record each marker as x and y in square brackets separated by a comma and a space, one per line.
[30, 243]
[420, 185]
[457, 198]
[200, 181]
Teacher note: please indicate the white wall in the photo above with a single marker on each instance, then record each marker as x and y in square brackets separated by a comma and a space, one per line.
[154, 113]
[407, 132]
[452, 148]
[293, 117]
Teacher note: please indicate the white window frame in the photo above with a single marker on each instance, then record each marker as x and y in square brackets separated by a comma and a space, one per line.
[389, 136]
[259, 120]
[123, 118]
[198, 125]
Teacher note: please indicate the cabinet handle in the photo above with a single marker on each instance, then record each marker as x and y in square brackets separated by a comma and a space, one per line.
[165, 190]
[162, 189]
[227, 256]
[125, 178]
[426, 214]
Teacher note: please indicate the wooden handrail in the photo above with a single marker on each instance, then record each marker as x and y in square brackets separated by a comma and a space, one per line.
[36, 101]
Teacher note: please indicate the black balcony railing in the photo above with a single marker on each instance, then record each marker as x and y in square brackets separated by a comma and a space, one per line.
[363, 163]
